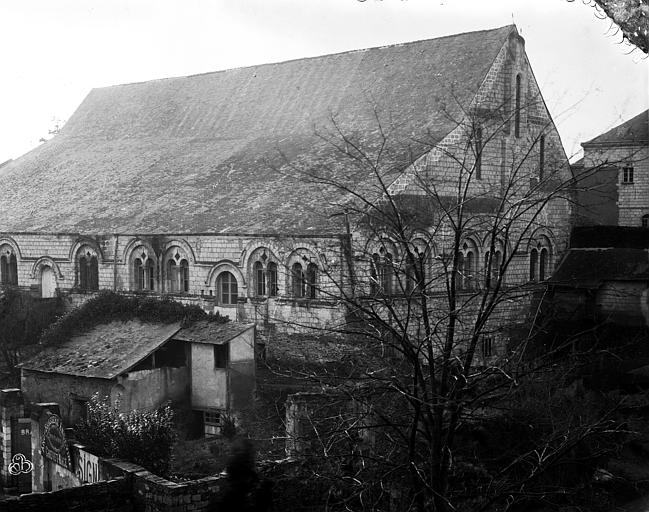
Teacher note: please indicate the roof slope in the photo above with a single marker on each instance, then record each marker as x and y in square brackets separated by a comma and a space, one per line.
[200, 153]
[589, 268]
[105, 351]
[211, 333]
[632, 132]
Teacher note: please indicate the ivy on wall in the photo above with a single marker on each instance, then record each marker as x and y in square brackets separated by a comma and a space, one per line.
[108, 306]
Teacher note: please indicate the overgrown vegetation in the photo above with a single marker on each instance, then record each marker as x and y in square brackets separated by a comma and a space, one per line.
[108, 306]
[142, 437]
[22, 320]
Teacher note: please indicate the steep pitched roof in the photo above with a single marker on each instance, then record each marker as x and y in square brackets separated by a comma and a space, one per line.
[105, 351]
[202, 153]
[632, 132]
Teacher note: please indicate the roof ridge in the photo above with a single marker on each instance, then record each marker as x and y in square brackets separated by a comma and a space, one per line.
[313, 57]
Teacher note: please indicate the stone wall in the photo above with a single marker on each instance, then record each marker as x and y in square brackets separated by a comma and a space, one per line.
[110, 496]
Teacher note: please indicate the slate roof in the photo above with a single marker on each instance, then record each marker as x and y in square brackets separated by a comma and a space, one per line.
[632, 132]
[199, 154]
[211, 332]
[104, 352]
[589, 268]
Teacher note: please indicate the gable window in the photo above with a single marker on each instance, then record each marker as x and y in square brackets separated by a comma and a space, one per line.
[144, 274]
[298, 286]
[627, 175]
[517, 113]
[88, 272]
[541, 156]
[8, 268]
[645, 221]
[226, 289]
[478, 153]
[221, 355]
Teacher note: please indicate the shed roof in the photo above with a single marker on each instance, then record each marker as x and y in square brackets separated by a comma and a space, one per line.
[589, 268]
[220, 152]
[105, 351]
[211, 332]
[633, 132]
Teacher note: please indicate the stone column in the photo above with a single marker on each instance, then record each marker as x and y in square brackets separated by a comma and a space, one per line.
[11, 407]
[41, 480]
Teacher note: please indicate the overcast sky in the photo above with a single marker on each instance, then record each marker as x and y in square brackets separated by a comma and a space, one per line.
[55, 51]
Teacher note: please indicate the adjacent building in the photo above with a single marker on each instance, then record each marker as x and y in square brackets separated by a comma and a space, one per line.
[614, 185]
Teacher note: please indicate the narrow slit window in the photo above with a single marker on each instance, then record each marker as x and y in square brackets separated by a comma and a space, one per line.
[517, 113]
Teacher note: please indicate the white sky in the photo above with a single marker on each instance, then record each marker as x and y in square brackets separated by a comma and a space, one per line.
[55, 51]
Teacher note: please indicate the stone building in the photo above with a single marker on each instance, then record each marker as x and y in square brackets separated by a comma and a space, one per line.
[615, 166]
[243, 190]
[205, 369]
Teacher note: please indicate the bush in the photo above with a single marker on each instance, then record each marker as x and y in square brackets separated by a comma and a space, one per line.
[142, 437]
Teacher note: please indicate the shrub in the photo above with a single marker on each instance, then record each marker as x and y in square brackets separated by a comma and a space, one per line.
[142, 437]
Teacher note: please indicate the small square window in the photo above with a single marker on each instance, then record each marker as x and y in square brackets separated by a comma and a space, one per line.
[627, 175]
[211, 423]
[221, 355]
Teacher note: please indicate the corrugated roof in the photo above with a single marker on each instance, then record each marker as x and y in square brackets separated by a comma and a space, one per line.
[589, 268]
[105, 351]
[633, 132]
[211, 332]
[201, 153]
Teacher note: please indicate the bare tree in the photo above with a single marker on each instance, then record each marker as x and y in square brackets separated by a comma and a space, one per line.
[446, 268]
[631, 16]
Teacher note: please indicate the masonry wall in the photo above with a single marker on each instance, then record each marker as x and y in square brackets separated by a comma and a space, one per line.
[632, 198]
[208, 256]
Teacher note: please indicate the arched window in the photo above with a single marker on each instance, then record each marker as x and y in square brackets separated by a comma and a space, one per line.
[496, 260]
[645, 221]
[260, 278]
[311, 280]
[298, 286]
[374, 280]
[48, 282]
[144, 275]
[226, 289]
[271, 274]
[466, 266]
[543, 264]
[469, 268]
[386, 273]
[517, 113]
[459, 276]
[88, 272]
[8, 267]
[534, 262]
[177, 276]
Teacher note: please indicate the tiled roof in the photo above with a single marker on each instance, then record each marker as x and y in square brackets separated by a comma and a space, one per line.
[105, 351]
[632, 132]
[211, 332]
[589, 268]
[201, 153]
